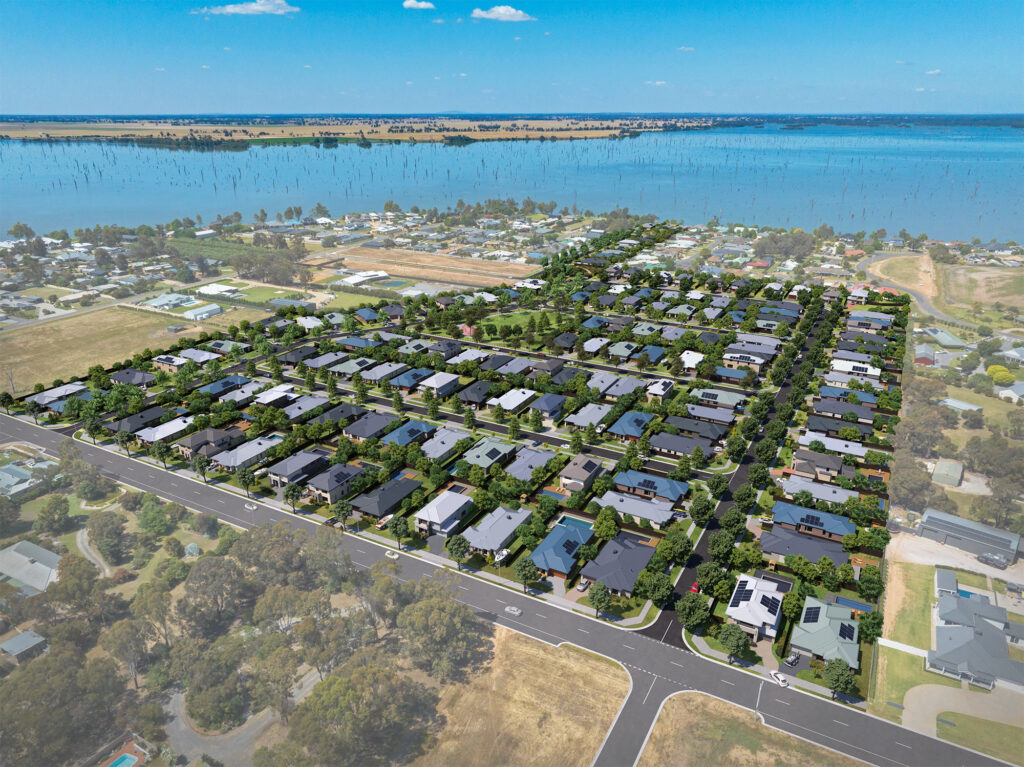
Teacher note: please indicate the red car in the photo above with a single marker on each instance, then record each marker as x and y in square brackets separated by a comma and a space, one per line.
[695, 589]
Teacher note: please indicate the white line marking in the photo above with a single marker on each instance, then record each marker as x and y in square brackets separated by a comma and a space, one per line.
[902, 744]
[649, 690]
[783, 702]
[502, 601]
[729, 683]
[583, 630]
[360, 551]
[842, 723]
[464, 588]
[628, 647]
[676, 664]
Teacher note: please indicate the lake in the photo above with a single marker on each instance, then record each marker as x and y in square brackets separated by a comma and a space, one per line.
[947, 182]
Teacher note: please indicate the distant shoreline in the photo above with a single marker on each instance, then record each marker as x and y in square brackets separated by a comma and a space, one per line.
[240, 132]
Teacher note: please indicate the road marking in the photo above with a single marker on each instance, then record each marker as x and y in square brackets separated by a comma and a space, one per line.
[783, 702]
[502, 601]
[628, 647]
[902, 744]
[583, 630]
[649, 689]
[360, 551]
[842, 723]
[728, 682]
[463, 588]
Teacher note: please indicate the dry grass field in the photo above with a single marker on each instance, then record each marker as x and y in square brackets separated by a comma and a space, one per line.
[430, 266]
[401, 129]
[983, 284]
[68, 347]
[915, 272]
[527, 707]
[697, 729]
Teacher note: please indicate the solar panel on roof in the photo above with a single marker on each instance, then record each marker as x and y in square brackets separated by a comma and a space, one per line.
[737, 597]
[771, 603]
[570, 546]
[493, 453]
[811, 519]
[811, 614]
[846, 631]
[649, 484]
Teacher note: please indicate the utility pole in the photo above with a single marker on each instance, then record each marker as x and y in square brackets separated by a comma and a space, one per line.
[758, 703]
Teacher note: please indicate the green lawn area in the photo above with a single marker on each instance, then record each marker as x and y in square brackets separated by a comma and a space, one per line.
[995, 409]
[45, 291]
[898, 672]
[862, 675]
[974, 580]
[520, 318]
[1000, 740]
[350, 301]
[213, 248]
[913, 621]
[263, 294]
[749, 656]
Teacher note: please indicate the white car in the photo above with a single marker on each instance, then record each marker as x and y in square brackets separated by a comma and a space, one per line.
[391, 554]
[512, 610]
[250, 506]
[783, 682]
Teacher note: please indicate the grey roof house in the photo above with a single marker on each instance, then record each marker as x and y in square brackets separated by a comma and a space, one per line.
[619, 563]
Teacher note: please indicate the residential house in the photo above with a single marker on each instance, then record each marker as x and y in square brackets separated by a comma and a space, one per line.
[843, 447]
[222, 386]
[297, 468]
[526, 460]
[721, 398]
[496, 530]
[832, 426]
[169, 363]
[303, 406]
[550, 407]
[660, 390]
[28, 567]
[244, 394]
[199, 356]
[512, 401]
[409, 432]
[476, 394]
[579, 474]
[446, 348]
[133, 423]
[351, 366]
[659, 513]
[516, 366]
[814, 465]
[780, 542]
[631, 425]
[712, 414]
[164, 432]
[246, 454]
[276, 396]
[332, 485]
[623, 385]
[385, 371]
[827, 632]
[411, 379]
[556, 554]
[646, 485]
[619, 563]
[495, 362]
[822, 524]
[373, 425]
[489, 451]
[441, 446]
[209, 442]
[832, 408]
[971, 642]
[968, 535]
[443, 385]
[691, 427]
[588, 415]
[676, 446]
[386, 499]
[133, 377]
[343, 411]
[24, 646]
[755, 606]
[443, 513]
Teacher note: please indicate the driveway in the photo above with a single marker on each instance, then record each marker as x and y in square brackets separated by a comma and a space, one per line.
[923, 703]
[907, 547]
[82, 541]
[235, 747]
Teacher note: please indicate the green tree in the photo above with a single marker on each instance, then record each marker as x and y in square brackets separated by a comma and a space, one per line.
[839, 678]
[606, 526]
[692, 611]
[200, 464]
[735, 640]
[126, 642]
[398, 527]
[524, 570]
[870, 627]
[458, 549]
[469, 420]
[291, 494]
[106, 533]
[124, 440]
[718, 485]
[246, 478]
[55, 516]
[6, 400]
[600, 597]
[273, 678]
[575, 443]
[441, 634]
[161, 451]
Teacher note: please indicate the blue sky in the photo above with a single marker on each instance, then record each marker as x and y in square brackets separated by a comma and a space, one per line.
[386, 56]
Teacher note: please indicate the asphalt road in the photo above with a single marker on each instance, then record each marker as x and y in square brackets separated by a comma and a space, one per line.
[657, 668]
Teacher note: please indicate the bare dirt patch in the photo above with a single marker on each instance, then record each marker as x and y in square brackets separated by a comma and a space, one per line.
[431, 266]
[696, 729]
[914, 272]
[534, 704]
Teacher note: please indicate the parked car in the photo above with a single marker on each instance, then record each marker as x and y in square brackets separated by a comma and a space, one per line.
[501, 556]
[583, 584]
[250, 506]
[782, 681]
[391, 554]
[512, 610]
[331, 521]
[993, 560]
[695, 588]
[792, 660]
[383, 521]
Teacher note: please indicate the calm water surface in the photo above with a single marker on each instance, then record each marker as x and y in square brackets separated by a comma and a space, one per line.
[948, 182]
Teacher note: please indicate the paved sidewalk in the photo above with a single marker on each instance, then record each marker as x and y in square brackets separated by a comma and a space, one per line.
[903, 647]
[702, 647]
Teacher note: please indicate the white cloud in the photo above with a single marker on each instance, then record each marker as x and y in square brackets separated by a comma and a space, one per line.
[253, 8]
[226, 48]
[502, 13]
[685, 48]
[307, 66]
[437, 77]
[934, 72]
[159, 69]
[463, 74]
[901, 62]
[205, 66]
[418, 5]
[517, 38]
[919, 90]
[655, 83]
[438, 21]
[408, 82]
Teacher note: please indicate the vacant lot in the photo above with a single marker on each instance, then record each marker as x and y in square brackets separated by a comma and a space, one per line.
[516, 711]
[68, 347]
[1001, 740]
[908, 600]
[916, 272]
[964, 284]
[697, 729]
[896, 673]
[429, 266]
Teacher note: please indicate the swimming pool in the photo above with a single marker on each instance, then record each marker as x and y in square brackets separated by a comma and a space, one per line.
[568, 521]
[552, 494]
[124, 760]
[971, 595]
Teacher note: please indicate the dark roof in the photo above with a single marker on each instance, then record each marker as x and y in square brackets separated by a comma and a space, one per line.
[679, 444]
[385, 498]
[295, 356]
[782, 541]
[827, 425]
[821, 460]
[138, 421]
[619, 562]
[344, 411]
[495, 361]
[370, 425]
[338, 474]
[133, 377]
[476, 392]
[706, 429]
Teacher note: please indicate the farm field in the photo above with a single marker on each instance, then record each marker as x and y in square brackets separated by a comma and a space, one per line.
[515, 712]
[430, 266]
[68, 347]
[698, 729]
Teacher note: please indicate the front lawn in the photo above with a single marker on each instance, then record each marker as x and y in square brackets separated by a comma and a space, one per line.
[897, 672]
[1000, 740]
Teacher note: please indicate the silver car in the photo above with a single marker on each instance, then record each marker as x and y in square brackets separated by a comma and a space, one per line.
[512, 610]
